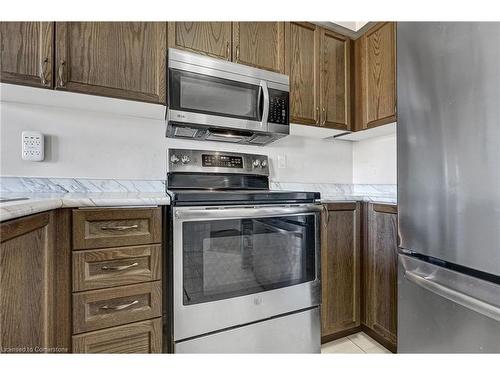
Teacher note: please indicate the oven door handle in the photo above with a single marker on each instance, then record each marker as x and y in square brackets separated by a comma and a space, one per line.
[213, 213]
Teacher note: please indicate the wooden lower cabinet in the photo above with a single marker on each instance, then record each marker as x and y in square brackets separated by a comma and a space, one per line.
[117, 292]
[109, 307]
[105, 268]
[142, 337]
[380, 257]
[111, 304]
[340, 269]
[35, 284]
[111, 227]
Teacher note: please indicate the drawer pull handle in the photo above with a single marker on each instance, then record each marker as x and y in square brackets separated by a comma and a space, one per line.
[119, 268]
[119, 307]
[121, 227]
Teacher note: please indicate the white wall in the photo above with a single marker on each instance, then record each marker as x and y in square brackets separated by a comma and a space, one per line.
[374, 161]
[91, 144]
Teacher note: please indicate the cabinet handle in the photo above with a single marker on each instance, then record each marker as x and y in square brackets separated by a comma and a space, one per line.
[61, 73]
[317, 115]
[324, 117]
[121, 227]
[237, 53]
[228, 51]
[119, 268]
[43, 67]
[119, 307]
[326, 215]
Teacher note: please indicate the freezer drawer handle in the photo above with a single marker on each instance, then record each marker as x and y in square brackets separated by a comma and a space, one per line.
[465, 300]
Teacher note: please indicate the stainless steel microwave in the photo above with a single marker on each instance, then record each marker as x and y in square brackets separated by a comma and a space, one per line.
[212, 99]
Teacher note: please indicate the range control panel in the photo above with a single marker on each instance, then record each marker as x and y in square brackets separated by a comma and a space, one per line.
[217, 160]
[204, 161]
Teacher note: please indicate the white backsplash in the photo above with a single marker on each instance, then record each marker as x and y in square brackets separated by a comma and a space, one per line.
[100, 145]
[88, 146]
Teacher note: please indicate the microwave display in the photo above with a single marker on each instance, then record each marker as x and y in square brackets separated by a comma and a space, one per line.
[226, 161]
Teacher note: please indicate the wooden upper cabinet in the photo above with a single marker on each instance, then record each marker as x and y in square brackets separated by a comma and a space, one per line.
[303, 68]
[209, 38]
[335, 80]
[340, 268]
[27, 53]
[260, 44]
[376, 76]
[118, 59]
[380, 259]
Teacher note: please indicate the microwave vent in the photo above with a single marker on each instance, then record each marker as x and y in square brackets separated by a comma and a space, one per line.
[261, 139]
[185, 132]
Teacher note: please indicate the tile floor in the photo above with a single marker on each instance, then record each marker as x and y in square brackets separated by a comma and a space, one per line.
[358, 343]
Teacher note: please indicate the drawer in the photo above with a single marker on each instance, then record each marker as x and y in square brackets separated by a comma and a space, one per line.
[110, 227]
[141, 337]
[104, 268]
[110, 307]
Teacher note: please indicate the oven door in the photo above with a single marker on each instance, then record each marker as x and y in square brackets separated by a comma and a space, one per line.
[216, 98]
[236, 265]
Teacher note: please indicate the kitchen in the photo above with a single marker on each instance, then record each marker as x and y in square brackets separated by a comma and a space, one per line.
[244, 172]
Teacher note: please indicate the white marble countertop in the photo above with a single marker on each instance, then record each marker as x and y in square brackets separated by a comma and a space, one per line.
[344, 192]
[39, 202]
[50, 193]
[361, 198]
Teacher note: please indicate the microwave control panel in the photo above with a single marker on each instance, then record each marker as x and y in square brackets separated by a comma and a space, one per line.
[278, 107]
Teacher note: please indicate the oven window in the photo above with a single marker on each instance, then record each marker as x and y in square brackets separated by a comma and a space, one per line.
[229, 258]
[213, 96]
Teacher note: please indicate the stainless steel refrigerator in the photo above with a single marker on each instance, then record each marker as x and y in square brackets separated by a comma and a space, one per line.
[448, 78]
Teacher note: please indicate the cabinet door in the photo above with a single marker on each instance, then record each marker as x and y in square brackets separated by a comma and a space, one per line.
[27, 53]
[335, 80]
[260, 44]
[302, 52]
[380, 273]
[376, 86]
[340, 269]
[35, 284]
[119, 59]
[209, 38]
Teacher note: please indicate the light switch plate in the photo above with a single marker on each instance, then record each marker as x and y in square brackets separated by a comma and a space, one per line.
[281, 161]
[32, 146]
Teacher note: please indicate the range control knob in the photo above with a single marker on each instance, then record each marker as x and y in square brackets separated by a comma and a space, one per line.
[256, 163]
[185, 159]
[174, 159]
[263, 164]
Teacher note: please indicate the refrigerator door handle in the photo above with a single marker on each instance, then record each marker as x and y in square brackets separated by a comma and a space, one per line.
[465, 300]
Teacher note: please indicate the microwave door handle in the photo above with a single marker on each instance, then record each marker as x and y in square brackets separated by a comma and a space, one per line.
[265, 107]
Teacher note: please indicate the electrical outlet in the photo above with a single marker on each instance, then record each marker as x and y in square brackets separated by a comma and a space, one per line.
[32, 146]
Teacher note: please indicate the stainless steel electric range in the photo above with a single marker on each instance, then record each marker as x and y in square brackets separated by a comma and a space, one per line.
[244, 261]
